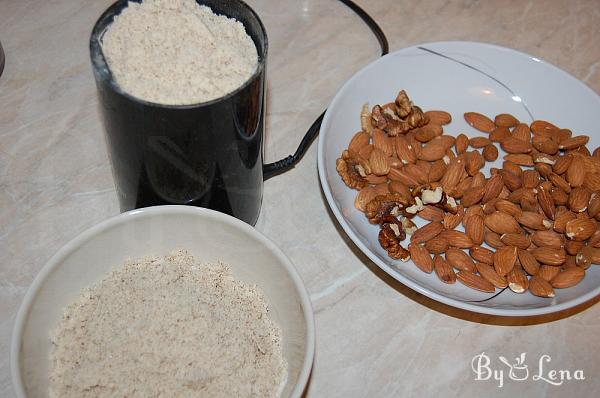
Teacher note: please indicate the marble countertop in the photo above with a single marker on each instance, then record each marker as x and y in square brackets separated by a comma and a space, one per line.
[375, 337]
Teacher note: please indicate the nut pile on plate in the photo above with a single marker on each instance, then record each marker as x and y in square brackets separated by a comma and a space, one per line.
[531, 225]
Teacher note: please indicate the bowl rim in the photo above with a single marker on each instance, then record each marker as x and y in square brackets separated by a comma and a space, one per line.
[90, 233]
[552, 308]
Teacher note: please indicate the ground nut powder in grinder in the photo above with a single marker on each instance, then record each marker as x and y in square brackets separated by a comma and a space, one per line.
[177, 52]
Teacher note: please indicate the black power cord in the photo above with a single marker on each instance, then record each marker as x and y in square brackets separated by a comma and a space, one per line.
[283, 165]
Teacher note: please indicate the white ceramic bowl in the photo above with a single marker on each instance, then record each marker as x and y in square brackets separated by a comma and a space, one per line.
[206, 234]
[457, 77]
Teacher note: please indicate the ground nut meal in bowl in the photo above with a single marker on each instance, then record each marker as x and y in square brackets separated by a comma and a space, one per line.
[165, 301]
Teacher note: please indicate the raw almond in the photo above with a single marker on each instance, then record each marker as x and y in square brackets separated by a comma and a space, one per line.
[360, 140]
[404, 150]
[490, 153]
[511, 180]
[594, 205]
[472, 196]
[531, 178]
[437, 245]
[515, 145]
[431, 213]
[508, 207]
[579, 199]
[427, 232]
[561, 220]
[482, 254]
[475, 282]
[549, 255]
[421, 257]
[592, 181]
[402, 176]
[562, 164]
[493, 187]
[517, 280]
[500, 134]
[519, 240]
[383, 142]
[504, 259]
[580, 229]
[542, 127]
[443, 270]
[560, 182]
[547, 238]
[506, 120]
[459, 260]
[479, 142]
[480, 122]
[437, 171]
[461, 143]
[574, 246]
[451, 221]
[528, 262]
[575, 175]
[475, 228]
[546, 202]
[438, 117]
[574, 142]
[522, 132]
[378, 162]
[457, 239]
[568, 278]
[488, 273]
[548, 272]
[502, 223]
[533, 220]
[432, 151]
[493, 239]
[539, 287]
[365, 195]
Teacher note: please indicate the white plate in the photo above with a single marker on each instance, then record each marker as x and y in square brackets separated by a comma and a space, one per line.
[457, 77]
[206, 234]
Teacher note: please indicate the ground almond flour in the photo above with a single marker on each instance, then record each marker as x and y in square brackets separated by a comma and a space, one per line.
[167, 327]
[177, 52]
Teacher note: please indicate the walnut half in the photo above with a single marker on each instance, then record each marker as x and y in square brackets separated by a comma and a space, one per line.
[353, 169]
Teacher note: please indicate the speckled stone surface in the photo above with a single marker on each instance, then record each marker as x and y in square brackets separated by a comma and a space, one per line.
[375, 337]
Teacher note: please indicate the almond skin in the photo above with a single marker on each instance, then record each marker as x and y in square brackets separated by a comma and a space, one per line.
[521, 241]
[568, 278]
[528, 262]
[579, 199]
[515, 145]
[421, 257]
[438, 117]
[493, 187]
[443, 270]
[365, 195]
[383, 142]
[549, 255]
[506, 120]
[437, 245]
[378, 162]
[502, 223]
[517, 280]
[475, 282]
[580, 229]
[482, 254]
[457, 239]
[472, 196]
[432, 151]
[460, 260]
[475, 228]
[427, 232]
[576, 172]
[404, 150]
[360, 140]
[480, 122]
[539, 287]
[488, 273]
[548, 272]
[547, 238]
[504, 260]
[490, 153]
